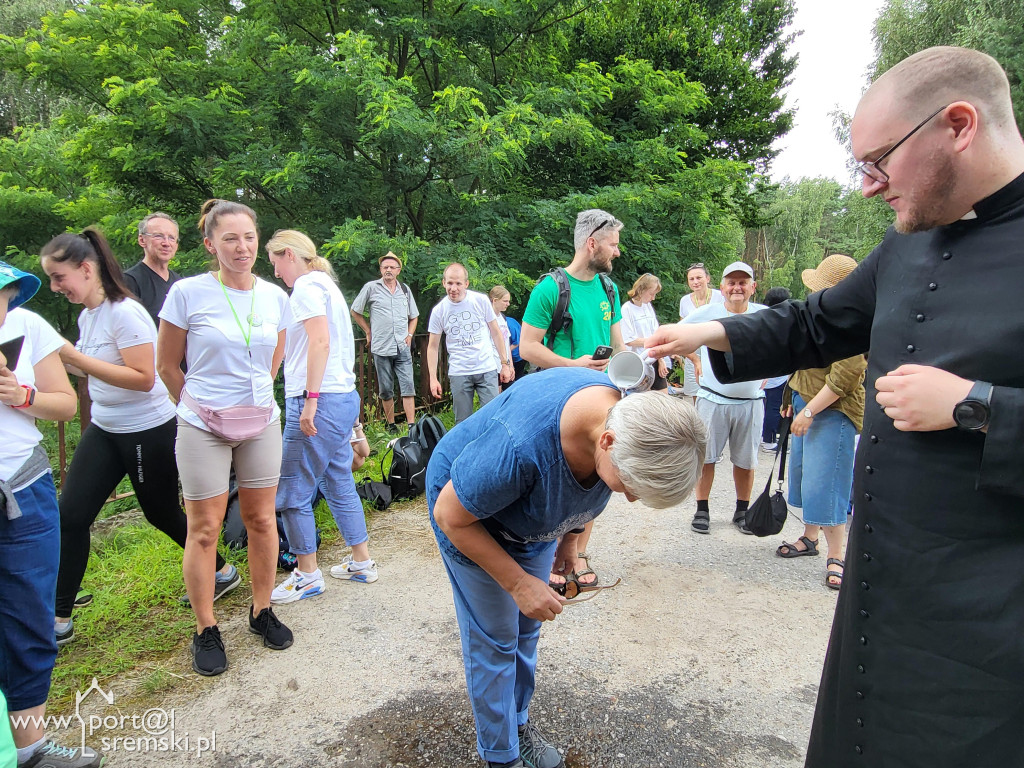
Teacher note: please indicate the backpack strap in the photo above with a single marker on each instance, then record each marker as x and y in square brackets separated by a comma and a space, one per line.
[561, 320]
[609, 289]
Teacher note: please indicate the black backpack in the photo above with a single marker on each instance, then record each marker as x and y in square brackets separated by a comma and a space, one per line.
[561, 320]
[408, 474]
[428, 432]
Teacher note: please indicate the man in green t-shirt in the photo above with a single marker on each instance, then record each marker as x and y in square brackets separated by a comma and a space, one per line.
[595, 320]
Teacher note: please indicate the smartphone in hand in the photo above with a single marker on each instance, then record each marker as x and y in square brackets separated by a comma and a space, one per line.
[11, 350]
[602, 353]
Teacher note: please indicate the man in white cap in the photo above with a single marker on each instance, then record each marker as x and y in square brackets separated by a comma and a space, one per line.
[733, 413]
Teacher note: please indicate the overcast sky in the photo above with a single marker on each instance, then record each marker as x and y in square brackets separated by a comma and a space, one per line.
[835, 51]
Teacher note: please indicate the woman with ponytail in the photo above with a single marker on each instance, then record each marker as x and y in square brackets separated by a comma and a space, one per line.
[228, 323]
[132, 421]
[321, 404]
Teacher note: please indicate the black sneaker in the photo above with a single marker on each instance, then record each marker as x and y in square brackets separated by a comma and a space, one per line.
[83, 599]
[275, 634]
[65, 637]
[535, 751]
[208, 657]
[52, 755]
[392, 428]
[220, 588]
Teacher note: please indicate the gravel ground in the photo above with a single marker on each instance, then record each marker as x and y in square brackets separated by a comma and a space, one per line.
[708, 654]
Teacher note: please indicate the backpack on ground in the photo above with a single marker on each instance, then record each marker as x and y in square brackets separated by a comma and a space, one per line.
[428, 431]
[408, 474]
[561, 320]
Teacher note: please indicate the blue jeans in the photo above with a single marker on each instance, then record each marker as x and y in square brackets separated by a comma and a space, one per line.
[29, 558]
[821, 467]
[772, 402]
[499, 648]
[324, 461]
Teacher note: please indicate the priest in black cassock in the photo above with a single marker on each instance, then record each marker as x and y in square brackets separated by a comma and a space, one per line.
[925, 665]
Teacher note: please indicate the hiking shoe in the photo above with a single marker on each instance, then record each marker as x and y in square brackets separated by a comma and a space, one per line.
[83, 599]
[347, 570]
[275, 634]
[208, 657]
[298, 586]
[392, 428]
[53, 755]
[66, 636]
[535, 751]
[222, 586]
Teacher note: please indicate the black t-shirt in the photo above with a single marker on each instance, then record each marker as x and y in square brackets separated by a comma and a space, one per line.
[150, 288]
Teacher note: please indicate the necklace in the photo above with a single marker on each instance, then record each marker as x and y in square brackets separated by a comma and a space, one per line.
[693, 298]
[252, 319]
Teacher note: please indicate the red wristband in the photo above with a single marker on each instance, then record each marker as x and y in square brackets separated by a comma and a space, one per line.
[30, 397]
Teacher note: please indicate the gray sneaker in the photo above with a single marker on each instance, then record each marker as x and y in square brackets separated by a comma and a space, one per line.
[52, 755]
[535, 751]
[221, 588]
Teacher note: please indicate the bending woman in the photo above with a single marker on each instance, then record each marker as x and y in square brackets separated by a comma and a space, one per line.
[230, 323]
[321, 404]
[131, 430]
[535, 464]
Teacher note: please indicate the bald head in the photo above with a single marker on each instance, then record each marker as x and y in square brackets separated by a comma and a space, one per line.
[943, 75]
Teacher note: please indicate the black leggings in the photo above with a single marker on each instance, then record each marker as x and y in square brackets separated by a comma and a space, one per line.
[101, 460]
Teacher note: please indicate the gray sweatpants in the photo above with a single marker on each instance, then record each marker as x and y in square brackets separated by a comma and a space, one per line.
[463, 387]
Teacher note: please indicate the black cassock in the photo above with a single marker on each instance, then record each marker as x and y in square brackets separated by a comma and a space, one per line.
[925, 665]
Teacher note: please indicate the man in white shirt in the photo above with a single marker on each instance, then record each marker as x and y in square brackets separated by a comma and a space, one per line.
[733, 413]
[463, 316]
[701, 294]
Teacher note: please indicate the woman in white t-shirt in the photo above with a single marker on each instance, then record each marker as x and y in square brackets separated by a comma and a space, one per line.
[500, 298]
[639, 321]
[131, 430]
[33, 386]
[321, 404]
[228, 326]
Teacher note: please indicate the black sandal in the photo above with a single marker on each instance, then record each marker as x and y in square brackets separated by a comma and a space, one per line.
[792, 551]
[834, 574]
[701, 522]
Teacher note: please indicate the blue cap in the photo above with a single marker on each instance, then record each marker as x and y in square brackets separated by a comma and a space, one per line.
[27, 283]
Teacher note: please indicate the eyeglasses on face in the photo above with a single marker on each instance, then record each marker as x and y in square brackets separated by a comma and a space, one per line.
[871, 168]
[164, 238]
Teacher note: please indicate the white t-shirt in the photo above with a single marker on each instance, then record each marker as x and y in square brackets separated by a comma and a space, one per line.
[222, 372]
[102, 333]
[467, 337]
[639, 323]
[749, 390]
[17, 427]
[505, 354]
[316, 295]
[686, 303]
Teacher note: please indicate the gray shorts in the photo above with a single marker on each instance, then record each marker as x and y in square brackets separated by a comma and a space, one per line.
[736, 424]
[390, 366]
[463, 387]
[205, 460]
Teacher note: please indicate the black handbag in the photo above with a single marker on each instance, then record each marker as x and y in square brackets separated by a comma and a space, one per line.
[767, 515]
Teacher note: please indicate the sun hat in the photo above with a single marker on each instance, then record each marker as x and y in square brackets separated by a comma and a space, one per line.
[27, 283]
[389, 255]
[738, 266]
[831, 270]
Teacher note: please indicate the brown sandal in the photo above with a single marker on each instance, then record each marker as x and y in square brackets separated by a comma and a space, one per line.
[829, 575]
[789, 550]
[585, 572]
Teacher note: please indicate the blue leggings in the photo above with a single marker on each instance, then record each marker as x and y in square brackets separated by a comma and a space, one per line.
[29, 558]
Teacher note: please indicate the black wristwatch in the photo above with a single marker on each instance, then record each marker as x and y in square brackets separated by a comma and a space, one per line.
[972, 413]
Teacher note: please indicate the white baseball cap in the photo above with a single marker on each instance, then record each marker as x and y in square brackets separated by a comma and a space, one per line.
[738, 266]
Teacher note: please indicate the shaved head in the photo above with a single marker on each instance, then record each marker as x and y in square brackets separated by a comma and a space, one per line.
[943, 75]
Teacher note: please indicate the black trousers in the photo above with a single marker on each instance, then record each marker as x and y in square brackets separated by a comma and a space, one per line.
[101, 460]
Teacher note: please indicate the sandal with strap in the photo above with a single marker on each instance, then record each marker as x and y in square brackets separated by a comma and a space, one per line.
[588, 571]
[789, 550]
[829, 575]
[701, 522]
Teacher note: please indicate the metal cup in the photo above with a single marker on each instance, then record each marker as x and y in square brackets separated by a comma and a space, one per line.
[631, 372]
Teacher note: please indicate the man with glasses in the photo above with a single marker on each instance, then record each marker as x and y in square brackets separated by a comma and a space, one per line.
[152, 278]
[595, 320]
[389, 334]
[925, 665]
[701, 294]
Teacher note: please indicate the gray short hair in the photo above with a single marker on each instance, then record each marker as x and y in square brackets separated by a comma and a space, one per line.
[659, 448]
[593, 222]
[155, 215]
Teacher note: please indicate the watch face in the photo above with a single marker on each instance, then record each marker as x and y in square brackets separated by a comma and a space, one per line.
[970, 414]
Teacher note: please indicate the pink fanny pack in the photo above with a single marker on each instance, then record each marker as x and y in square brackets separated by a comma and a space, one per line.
[239, 422]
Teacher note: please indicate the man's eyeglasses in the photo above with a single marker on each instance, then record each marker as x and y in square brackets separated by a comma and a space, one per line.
[164, 238]
[870, 168]
[390, 267]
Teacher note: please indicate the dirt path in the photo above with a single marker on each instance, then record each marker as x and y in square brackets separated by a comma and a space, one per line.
[707, 654]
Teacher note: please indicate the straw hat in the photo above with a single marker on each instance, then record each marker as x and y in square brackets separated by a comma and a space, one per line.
[389, 255]
[831, 270]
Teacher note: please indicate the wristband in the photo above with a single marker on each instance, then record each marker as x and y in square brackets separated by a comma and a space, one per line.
[310, 395]
[30, 397]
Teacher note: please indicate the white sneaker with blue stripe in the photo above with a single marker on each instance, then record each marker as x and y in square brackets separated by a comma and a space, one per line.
[298, 586]
[352, 571]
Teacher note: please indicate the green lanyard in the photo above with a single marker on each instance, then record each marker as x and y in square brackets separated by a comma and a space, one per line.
[252, 307]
